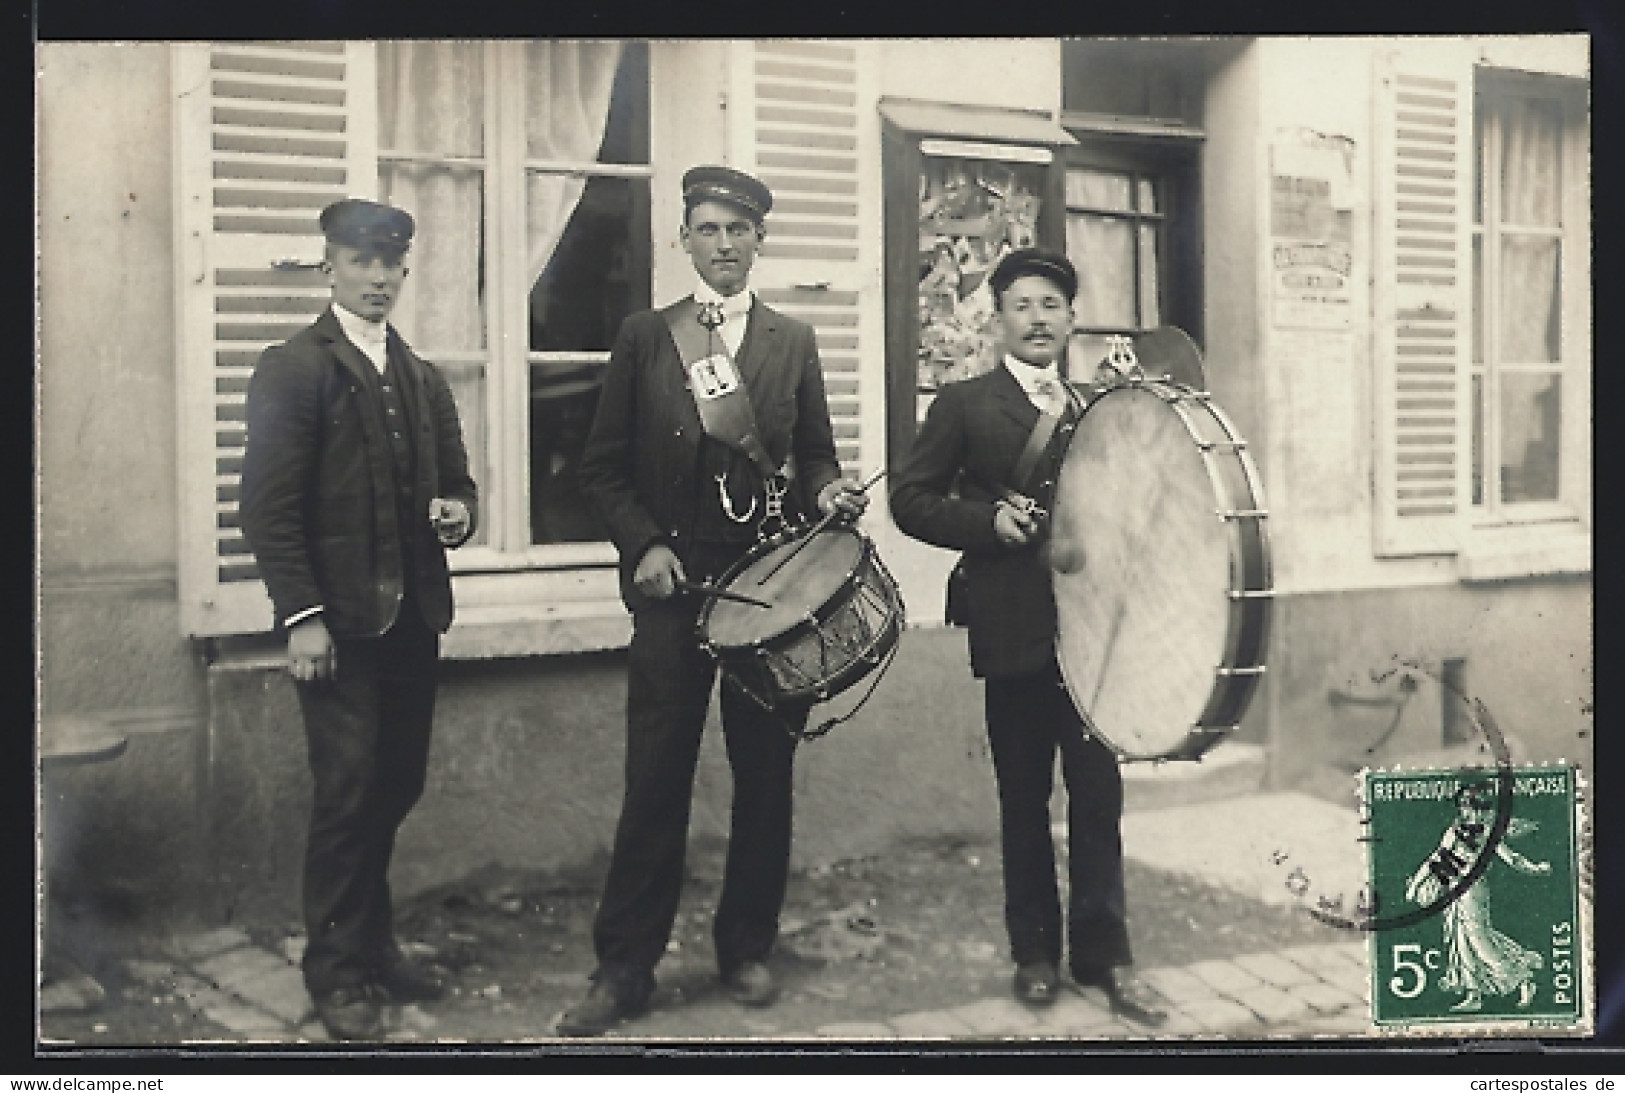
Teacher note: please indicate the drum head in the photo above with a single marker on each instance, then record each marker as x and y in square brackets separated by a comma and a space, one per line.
[803, 585]
[1141, 568]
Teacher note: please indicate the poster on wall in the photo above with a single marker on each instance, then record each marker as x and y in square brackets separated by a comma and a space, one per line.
[972, 212]
[1311, 230]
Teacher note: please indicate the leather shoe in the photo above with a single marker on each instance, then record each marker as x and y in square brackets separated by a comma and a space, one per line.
[352, 1013]
[751, 984]
[1130, 996]
[1037, 984]
[604, 1007]
[408, 981]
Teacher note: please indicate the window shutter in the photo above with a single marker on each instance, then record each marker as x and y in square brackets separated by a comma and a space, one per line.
[803, 136]
[1422, 304]
[265, 136]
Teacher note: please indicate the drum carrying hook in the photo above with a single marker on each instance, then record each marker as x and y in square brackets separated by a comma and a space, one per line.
[1120, 355]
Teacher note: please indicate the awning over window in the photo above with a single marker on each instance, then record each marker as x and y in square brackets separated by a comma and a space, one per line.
[974, 123]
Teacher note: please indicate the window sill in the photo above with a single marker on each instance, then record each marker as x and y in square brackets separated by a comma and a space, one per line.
[536, 613]
[1529, 550]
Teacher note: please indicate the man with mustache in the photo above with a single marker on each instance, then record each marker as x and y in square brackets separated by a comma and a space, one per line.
[975, 436]
[355, 481]
[712, 427]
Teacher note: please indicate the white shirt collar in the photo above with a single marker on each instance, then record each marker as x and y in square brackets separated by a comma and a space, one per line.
[732, 306]
[1030, 376]
[359, 330]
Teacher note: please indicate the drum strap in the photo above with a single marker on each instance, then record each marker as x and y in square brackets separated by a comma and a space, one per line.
[719, 391]
[1039, 439]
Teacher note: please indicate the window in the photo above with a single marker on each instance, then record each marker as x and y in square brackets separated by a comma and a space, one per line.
[527, 167]
[1519, 355]
[1130, 188]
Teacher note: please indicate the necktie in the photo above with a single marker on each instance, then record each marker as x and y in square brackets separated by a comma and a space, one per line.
[1050, 396]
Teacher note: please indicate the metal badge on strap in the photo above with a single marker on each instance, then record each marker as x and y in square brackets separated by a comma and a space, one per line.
[723, 403]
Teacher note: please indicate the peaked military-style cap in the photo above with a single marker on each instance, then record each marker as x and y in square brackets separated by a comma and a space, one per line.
[1034, 262]
[357, 222]
[726, 184]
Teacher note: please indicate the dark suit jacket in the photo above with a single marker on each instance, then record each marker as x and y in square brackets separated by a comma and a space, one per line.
[642, 458]
[973, 436]
[318, 504]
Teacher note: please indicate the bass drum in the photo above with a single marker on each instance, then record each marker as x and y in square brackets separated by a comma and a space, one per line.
[1161, 571]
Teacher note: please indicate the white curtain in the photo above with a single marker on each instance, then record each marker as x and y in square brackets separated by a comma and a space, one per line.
[432, 100]
[567, 91]
[1530, 178]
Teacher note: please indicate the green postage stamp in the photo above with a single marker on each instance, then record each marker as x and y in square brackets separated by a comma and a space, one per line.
[1480, 921]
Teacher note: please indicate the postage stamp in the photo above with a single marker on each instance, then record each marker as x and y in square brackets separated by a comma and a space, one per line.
[1476, 876]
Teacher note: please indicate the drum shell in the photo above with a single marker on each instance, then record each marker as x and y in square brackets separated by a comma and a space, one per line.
[1162, 661]
[843, 639]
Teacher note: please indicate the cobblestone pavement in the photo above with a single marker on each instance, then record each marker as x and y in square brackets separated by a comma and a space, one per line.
[256, 995]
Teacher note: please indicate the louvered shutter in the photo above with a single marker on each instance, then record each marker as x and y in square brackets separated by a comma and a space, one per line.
[1422, 303]
[802, 133]
[265, 136]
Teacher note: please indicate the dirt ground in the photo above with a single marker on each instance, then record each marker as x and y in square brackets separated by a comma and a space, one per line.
[865, 939]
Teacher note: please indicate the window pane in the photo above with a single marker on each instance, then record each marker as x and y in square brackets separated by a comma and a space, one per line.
[1528, 324]
[1150, 308]
[563, 398]
[1530, 135]
[1102, 249]
[431, 97]
[1477, 332]
[1098, 189]
[1530, 423]
[1478, 440]
[1148, 195]
[431, 100]
[587, 249]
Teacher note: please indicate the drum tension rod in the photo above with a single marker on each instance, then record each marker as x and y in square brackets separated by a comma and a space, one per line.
[1256, 670]
[1251, 594]
[1240, 514]
[1203, 730]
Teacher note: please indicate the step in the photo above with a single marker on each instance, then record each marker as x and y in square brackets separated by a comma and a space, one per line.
[1231, 769]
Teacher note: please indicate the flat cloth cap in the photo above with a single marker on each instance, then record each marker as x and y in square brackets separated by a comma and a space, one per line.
[726, 184]
[357, 222]
[1034, 262]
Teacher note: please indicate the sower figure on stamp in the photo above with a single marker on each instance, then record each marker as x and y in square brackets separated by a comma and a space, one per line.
[711, 426]
[355, 482]
[999, 437]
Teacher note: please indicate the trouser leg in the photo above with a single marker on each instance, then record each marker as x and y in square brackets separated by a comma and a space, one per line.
[668, 688]
[1023, 746]
[1097, 908]
[367, 760]
[761, 754]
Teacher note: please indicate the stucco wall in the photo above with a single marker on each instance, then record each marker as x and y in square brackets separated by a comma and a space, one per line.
[107, 390]
[525, 770]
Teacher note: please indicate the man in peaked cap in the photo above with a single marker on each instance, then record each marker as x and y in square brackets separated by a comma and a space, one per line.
[991, 435]
[355, 481]
[706, 406]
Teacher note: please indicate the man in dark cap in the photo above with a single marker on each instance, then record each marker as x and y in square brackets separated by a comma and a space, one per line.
[355, 481]
[1000, 437]
[711, 430]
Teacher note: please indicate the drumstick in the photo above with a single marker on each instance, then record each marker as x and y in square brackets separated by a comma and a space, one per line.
[720, 593]
[816, 528]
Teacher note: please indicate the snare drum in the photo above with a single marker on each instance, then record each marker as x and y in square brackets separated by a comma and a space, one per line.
[833, 615]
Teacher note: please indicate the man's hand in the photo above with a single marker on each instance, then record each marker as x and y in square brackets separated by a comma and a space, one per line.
[1012, 526]
[450, 519]
[658, 572]
[844, 497]
[311, 654]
